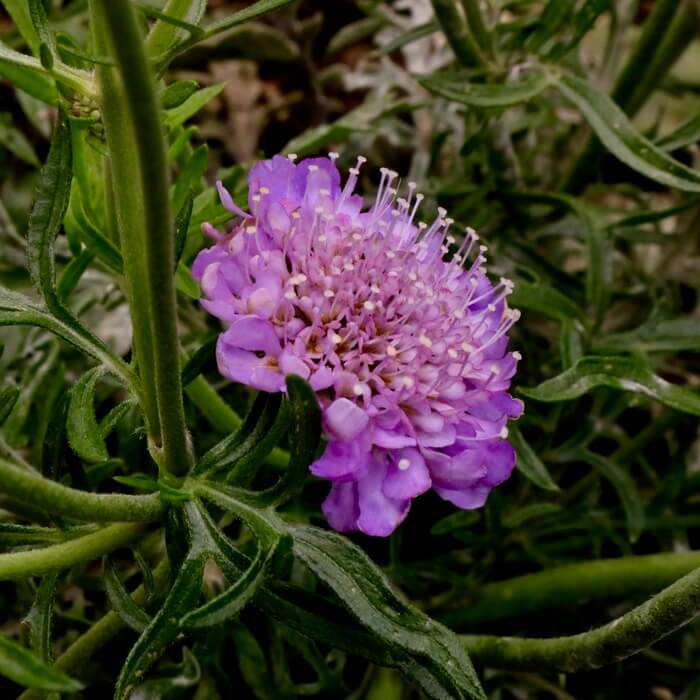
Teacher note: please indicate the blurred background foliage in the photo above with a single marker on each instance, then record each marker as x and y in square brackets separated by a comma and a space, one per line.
[602, 242]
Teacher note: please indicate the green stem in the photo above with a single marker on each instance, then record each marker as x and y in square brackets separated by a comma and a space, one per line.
[76, 659]
[569, 585]
[457, 33]
[669, 29]
[663, 614]
[28, 487]
[223, 417]
[136, 142]
[37, 562]
[478, 29]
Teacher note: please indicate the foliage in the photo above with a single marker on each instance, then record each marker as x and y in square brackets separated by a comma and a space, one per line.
[159, 527]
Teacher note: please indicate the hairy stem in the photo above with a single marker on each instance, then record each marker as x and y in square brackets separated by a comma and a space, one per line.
[570, 585]
[37, 562]
[666, 612]
[136, 142]
[32, 489]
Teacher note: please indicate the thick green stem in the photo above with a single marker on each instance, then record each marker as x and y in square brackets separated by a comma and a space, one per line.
[566, 586]
[663, 614]
[457, 33]
[28, 487]
[136, 143]
[75, 660]
[37, 562]
[669, 29]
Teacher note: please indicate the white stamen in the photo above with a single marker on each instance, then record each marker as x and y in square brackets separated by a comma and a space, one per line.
[404, 464]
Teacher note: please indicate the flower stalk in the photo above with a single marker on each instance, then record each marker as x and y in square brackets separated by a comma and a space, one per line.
[643, 626]
[136, 142]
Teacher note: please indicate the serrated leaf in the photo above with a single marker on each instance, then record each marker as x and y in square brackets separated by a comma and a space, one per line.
[230, 603]
[50, 204]
[193, 104]
[625, 373]
[122, 603]
[28, 670]
[82, 428]
[528, 463]
[164, 628]
[491, 95]
[40, 617]
[8, 399]
[612, 126]
[257, 423]
[365, 591]
[304, 437]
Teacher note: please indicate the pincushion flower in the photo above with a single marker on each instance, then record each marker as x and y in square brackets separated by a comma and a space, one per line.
[393, 323]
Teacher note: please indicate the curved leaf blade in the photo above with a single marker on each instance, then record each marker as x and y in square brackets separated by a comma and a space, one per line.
[82, 428]
[26, 669]
[505, 95]
[612, 126]
[625, 373]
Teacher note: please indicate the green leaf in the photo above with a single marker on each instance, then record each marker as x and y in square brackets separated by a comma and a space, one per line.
[581, 24]
[21, 16]
[71, 275]
[304, 437]
[15, 141]
[529, 464]
[147, 483]
[408, 37]
[554, 15]
[24, 668]
[194, 366]
[230, 603]
[685, 135]
[165, 33]
[164, 628]
[30, 80]
[13, 535]
[40, 617]
[83, 431]
[625, 373]
[47, 46]
[365, 591]
[619, 136]
[50, 204]
[190, 178]
[130, 613]
[491, 95]
[354, 32]
[626, 489]
[184, 282]
[18, 310]
[8, 399]
[672, 335]
[257, 423]
[544, 299]
[193, 104]
[176, 93]
[257, 9]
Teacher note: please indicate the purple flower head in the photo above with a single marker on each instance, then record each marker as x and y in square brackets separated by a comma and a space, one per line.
[403, 342]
